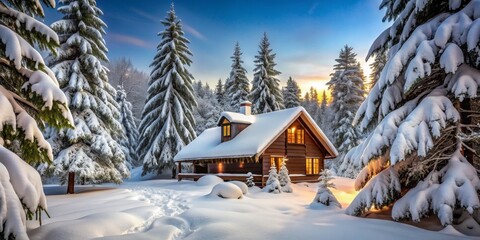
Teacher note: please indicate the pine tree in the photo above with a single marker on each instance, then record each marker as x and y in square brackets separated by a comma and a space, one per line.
[208, 109]
[89, 153]
[284, 178]
[250, 182]
[377, 67]
[273, 184]
[291, 94]
[422, 114]
[219, 92]
[29, 99]
[237, 85]
[266, 95]
[347, 87]
[167, 123]
[323, 104]
[324, 195]
[129, 143]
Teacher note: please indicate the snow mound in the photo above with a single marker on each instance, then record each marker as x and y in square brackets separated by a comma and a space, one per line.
[241, 185]
[209, 180]
[227, 190]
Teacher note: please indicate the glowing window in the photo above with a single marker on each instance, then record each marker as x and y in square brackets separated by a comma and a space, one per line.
[226, 128]
[300, 136]
[308, 166]
[291, 135]
[316, 166]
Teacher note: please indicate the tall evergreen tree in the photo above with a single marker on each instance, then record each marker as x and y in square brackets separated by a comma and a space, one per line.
[422, 113]
[89, 153]
[347, 87]
[208, 109]
[29, 99]
[266, 95]
[377, 67]
[129, 142]
[220, 92]
[291, 94]
[167, 123]
[237, 85]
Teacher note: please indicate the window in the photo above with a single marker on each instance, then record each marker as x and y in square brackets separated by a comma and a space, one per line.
[291, 135]
[308, 166]
[300, 136]
[277, 161]
[296, 136]
[312, 166]
[226, 128]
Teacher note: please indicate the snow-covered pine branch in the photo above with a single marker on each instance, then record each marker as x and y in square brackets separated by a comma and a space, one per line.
[417, 112]
[29, 99]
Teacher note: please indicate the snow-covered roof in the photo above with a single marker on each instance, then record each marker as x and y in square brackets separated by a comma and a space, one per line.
[253, 140]
[234, 117]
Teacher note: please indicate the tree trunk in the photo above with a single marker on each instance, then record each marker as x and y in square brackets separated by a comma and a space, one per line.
[71, 183]
[174, 172]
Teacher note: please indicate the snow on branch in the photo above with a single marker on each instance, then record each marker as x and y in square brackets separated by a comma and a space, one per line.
[455, 185]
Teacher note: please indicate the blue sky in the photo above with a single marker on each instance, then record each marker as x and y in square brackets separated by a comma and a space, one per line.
[306, 35]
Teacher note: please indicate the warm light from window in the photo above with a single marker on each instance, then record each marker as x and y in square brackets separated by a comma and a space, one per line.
[220, 168]
[308, 166]
[316, 166]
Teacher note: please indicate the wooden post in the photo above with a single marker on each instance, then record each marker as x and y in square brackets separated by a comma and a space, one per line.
[179, 171]
[71, 183]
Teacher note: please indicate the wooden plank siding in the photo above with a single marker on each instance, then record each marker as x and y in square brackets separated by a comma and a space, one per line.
[296, 154]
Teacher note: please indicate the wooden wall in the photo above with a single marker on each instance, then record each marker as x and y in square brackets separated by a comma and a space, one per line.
[243, 168]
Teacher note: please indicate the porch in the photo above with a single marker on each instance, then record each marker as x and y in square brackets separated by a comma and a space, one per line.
[257, 178]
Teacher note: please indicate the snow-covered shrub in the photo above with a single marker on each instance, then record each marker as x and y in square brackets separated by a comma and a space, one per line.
[250, 182]
[241, 185]
[227, 190]
[273, 185]
[324, 195]
[209, 180]
[419, 112]
[284, 179]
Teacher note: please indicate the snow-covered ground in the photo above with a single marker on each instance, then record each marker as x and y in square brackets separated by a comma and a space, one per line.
[167, 209]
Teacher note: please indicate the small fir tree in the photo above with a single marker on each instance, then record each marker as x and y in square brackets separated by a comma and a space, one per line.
[266, 95]
[273, 184]
[324, 195]
[291, 94]
[237, 85]
[167, 123]
[90, 153]
[127, 119]
[284, 178]
[250, 181]
[377, 67]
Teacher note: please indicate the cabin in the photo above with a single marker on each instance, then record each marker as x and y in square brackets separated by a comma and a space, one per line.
[243, 143]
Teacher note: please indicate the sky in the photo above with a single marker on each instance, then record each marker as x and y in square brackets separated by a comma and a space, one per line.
[306, 35]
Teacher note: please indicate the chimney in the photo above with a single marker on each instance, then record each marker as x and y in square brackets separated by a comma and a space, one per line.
[246, 108]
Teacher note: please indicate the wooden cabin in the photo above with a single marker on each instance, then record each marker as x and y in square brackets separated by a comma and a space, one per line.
[243, 143]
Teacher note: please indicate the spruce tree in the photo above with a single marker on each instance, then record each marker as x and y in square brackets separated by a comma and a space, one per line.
[237, 85]
[89, 153]
[346, 86]
[129, 142]
[266, 95]
[291, 94]
[377, 67]
[250, 180]
[29, 99]
[324, 194]
[208, 109]
[219, 92]
[167, 123]
[284, 178]
[273, 184]
[422, 114]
